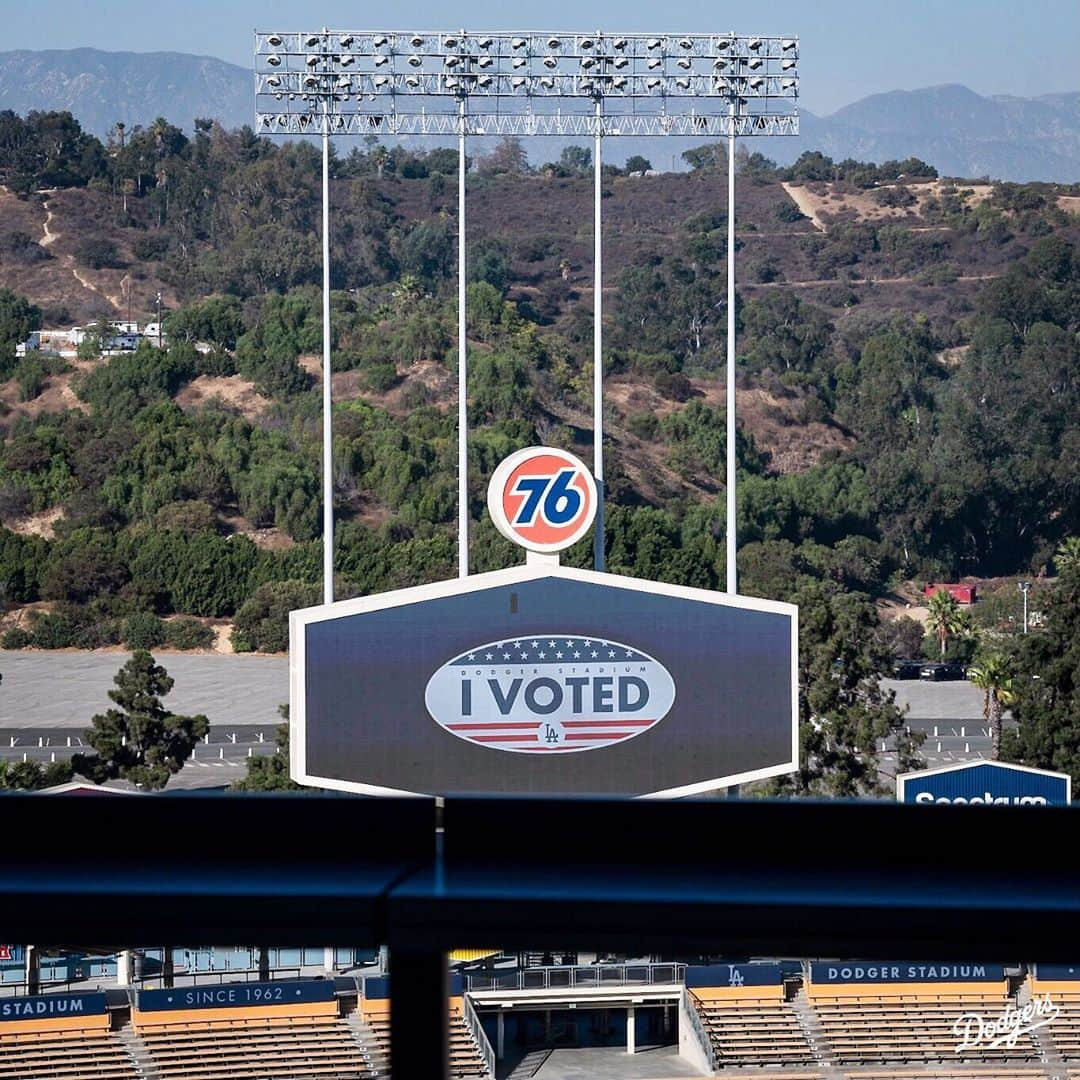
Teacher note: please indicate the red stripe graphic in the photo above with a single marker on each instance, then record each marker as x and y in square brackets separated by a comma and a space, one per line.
[607, 723]
[496, 738]
[494, 724]
[599, 735]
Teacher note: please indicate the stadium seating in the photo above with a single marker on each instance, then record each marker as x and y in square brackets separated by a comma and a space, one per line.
[752, 1028]
[65, 1055]
[913, 1027]
[253, 1048]
[466, 1062]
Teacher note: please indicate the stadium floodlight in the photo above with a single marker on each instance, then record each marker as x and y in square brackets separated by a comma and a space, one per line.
[449, 82]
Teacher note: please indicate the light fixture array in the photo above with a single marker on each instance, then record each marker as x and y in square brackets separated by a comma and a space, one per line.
[427, 82]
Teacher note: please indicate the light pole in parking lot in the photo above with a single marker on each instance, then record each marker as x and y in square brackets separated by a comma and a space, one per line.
[1025, 588]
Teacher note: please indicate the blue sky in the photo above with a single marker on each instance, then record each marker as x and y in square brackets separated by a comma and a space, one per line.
[850, 48]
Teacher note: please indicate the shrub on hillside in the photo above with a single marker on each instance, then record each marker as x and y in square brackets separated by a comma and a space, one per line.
[262, 623]
[188, 633]
[98, 253]
[144, 630]
[16, 638]
[150, 247]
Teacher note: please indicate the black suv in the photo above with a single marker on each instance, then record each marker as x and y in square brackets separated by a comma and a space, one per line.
[942, 672]
[906, 669]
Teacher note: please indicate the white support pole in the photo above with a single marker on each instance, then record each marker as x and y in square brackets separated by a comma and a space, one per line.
[731, 583]
[598, 355]
[631, 1033]
[328, 427]
[463, 400]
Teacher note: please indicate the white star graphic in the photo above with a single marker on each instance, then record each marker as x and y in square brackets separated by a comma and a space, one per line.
[577, 656]
[551, 644]
[534, 644]
[611, 652]
[569, 644]
[558, 656]
[487, 656]
[542, 655]
[517, 644]
[506, 656]
[629, 652]
[471, 656]
[594, 653]
[524, 656]
[587, 644]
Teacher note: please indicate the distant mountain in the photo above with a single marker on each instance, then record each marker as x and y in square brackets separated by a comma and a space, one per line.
[952, 127]
[99, 88]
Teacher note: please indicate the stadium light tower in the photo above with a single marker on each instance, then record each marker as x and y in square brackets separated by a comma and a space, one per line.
[447, 83]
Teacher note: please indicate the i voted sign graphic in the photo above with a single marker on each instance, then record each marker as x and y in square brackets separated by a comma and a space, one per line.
[550, 693]
[542, 498]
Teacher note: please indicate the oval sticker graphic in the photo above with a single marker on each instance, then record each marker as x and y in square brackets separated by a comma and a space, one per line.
[550, 693]
[542, 498]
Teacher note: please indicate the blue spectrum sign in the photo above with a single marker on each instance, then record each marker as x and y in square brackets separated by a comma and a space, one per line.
[720, 975]
[984, 783]
[45, 1006]
[840, 972]
[236, 995]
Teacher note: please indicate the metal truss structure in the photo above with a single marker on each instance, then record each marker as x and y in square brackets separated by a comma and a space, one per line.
[524, 84]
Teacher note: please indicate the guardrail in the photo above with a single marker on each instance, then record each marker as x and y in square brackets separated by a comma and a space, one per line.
[563, 978]
[705, 1043]
[478, 1033]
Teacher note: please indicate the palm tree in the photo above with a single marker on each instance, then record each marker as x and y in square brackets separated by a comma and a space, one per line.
[1067, 556]
[944, 617]
[994, 677]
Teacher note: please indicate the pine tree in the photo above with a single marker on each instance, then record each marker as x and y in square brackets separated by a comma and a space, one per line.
[141, 741]
[270, 772]
[1047, 686]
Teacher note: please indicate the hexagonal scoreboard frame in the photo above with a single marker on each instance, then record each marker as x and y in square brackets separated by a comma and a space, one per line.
[359, 669]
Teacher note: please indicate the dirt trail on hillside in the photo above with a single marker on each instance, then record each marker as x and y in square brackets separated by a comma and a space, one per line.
[854, 281]
[49, 238]
[803, 200]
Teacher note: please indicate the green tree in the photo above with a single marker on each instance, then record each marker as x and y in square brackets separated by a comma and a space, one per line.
[994, 676]
[32, 776]
[637, 163]
[270, 772]
[1046, 686]
[1067, 556]
[140, 741]
[944, 618]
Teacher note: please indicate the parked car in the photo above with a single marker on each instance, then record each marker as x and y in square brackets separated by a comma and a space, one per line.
[942, 672]
[907, 669]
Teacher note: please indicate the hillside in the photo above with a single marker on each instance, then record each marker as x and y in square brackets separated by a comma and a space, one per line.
[959, 131]
[907, 357]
